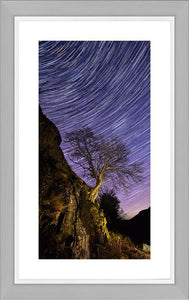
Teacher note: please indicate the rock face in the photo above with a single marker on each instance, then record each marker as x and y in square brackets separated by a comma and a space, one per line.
[70, 225]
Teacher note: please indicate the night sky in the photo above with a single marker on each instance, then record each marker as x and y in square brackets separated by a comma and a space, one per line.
[104, 85]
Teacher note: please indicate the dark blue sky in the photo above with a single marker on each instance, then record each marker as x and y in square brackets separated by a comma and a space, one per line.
[104, 85]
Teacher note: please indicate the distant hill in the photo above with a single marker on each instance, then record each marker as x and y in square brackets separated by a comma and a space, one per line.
[137, 228]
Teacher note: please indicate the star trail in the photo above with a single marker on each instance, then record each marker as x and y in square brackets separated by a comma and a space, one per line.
[104, 85]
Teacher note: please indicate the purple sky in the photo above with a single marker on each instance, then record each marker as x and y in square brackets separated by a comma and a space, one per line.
[104, 85]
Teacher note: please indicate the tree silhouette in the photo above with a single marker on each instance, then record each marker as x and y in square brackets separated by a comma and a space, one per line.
[104, 160]
[111, 207]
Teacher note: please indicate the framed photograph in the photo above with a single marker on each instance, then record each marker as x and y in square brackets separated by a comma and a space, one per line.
[94, 150]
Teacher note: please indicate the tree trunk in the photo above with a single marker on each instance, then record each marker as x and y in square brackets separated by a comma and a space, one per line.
[95, 191]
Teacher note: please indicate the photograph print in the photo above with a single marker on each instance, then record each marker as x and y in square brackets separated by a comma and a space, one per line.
[94, 149]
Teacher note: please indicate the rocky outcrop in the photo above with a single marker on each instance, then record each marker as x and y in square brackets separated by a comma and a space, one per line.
[69, 223]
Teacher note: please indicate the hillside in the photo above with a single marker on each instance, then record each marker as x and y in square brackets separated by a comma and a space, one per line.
[138, 228]
[71, 224]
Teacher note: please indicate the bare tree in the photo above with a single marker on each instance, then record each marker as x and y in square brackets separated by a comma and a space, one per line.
[102, 160]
